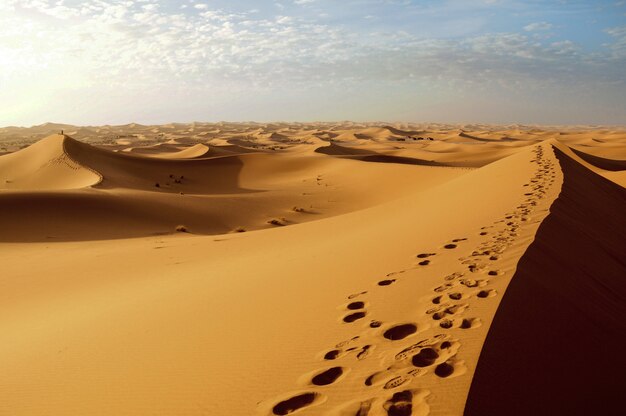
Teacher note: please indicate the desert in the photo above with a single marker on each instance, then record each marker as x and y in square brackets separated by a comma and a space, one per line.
[312, 207]
[322, 268]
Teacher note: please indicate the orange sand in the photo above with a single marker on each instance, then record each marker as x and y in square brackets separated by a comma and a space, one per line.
[318, 269]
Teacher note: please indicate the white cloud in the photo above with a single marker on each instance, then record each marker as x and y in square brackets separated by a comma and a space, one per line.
[109, 46]
[538, 26]
[618, 47]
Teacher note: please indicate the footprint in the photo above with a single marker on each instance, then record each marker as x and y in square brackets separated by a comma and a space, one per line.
[444, 370]
[453, 276]
[472, 282]
[354, 317]
[438, 315]
[470, 323]
[454, 309]
[365, 351]
[446, 324]
[328, 376]
[489, 293]
[388, 379]
[375, 324]
[400, 404]
[425, 255]
[296, 403]
[424, 263]
[375, 378]
[355, 305]
[443, 287]
[455, 295]
[354, 295]
[475, 267]
[431, 311]
[399, 332]
[428, 342]
[344, 343]
[386, 282]
[437, 300]
[332, 355]
[425, 358]
[450, 246]
[396, 382]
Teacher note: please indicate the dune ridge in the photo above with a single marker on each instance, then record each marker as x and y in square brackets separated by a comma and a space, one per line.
[308, 283]
[46, 165]
[560, 301]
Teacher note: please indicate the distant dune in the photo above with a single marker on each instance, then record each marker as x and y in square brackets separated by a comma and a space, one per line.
[346, 269]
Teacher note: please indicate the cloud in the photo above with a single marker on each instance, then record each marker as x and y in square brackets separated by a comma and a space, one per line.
[538, 26]
[618, 47]
[107, 46]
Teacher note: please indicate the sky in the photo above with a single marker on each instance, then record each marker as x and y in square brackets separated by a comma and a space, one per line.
[94, 62]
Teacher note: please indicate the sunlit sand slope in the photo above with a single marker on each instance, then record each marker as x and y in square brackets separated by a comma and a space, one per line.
[317, 270]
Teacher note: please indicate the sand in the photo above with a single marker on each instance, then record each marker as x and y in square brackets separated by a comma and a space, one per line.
[312, 269]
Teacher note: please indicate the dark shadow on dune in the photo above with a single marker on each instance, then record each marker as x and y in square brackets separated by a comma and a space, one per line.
[372, 156]
[218, 175]
[85, 215]
[482, 139]
[556, 343]
[337, 150]
[600, 162]
[378, 158]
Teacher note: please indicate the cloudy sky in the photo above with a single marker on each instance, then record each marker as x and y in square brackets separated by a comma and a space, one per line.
[156, 61]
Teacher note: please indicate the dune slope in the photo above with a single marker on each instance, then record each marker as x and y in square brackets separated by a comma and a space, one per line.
[365, 289]
[198, 325]
[45, 165]
[553, 346]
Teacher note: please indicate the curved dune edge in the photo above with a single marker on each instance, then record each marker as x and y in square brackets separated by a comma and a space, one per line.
[192, 152]
[46, 165]
[366, 155]
[601, 162]
[66, 139]
[552, 346]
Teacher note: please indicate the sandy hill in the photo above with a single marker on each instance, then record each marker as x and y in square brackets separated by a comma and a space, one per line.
[488, 283]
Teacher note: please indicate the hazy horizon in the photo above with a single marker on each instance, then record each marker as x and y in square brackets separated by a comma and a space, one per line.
[503, 62]
[380, 123]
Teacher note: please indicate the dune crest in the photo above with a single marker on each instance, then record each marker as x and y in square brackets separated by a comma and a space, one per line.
[567, 297]
[46, 165]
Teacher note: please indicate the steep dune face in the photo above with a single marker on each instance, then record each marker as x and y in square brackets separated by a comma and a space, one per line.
[120, 170]
[45, 165]
[193, 152]
[600, 162]
[171, 151]
[552, 346]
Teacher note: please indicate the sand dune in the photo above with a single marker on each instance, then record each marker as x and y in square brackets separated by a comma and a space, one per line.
[488, 283]
[563, 306]
[45, 165]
